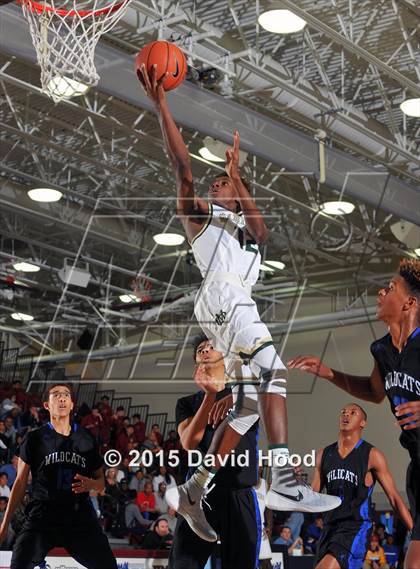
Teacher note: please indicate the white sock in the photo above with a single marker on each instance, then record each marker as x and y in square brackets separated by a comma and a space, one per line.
[203, 477]
[280, 457]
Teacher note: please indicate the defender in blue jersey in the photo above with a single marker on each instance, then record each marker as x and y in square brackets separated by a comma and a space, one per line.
[65, 464]
[231, 507]
[396, 375]
[349, 469]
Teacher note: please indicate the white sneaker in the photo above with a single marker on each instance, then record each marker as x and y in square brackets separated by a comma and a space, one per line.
[187, 501]
[297, 496]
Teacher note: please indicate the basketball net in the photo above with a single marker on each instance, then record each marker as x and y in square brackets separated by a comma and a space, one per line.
[65, 34]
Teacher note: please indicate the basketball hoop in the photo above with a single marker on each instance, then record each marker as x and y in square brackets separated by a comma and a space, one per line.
[65, 34]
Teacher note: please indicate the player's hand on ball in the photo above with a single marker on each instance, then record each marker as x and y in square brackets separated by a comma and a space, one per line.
[82, 484]
[219, 410]
[311, 364]
[411, 408]
[232, 158]
[152, 87]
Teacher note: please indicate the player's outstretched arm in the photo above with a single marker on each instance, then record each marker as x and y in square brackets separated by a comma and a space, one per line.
[255, 223]
[379, 466]
[179, 157]
[366, 388]
[16, 496]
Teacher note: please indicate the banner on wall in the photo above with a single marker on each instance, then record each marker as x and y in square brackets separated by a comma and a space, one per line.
[69, 563]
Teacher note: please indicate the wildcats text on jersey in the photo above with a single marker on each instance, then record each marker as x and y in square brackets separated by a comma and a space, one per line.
[67, 457]
[402, 380]
[342, 474]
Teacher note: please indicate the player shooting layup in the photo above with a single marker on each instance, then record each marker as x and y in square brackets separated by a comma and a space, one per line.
[224, 233]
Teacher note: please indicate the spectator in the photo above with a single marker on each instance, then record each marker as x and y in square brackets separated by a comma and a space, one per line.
[313, 533]
[134, 520]
[159, 538]
[172, 442]
[295, 523]
[4, 442]
[10, 431]
[7, 405]
[170, 517]
[125, 435]
[20, 394]
[93, 422]
[139, 429]
[380, 532]
[391, 551]
[285, 538]
[161, 503]
[124, 490]
[93, 495]
[137, 482]
[106, 410]
[31, 418]
[387, 519]
[146, 501]
[111, 483]
[11, 470]
[375, 556]
[159, 436]
[4, 488]
[151, 443]
[7, 543]
[163, 476]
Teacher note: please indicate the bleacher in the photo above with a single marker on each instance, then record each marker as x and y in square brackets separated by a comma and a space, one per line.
[37, 377]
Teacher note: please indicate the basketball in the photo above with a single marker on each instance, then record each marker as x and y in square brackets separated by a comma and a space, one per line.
[168, 58]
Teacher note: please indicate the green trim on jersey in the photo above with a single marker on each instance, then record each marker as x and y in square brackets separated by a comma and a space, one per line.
[206, 224]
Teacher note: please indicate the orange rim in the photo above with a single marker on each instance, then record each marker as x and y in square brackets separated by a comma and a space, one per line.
[37, 7]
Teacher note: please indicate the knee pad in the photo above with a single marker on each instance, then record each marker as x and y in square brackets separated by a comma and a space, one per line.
[267, 365]
[245, 411]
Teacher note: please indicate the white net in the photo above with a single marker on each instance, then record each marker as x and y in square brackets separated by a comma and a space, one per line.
[65, 34]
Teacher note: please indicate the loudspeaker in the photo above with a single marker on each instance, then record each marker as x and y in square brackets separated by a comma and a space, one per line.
[85, 341]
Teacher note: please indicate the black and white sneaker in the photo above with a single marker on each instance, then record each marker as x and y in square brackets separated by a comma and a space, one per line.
[187, 501]
[291, 494]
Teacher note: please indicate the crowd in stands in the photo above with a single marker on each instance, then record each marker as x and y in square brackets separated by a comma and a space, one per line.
[301, 532]
[133, 505]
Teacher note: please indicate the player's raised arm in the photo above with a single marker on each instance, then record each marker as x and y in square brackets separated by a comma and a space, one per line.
[369, 388]
[255, 223]
[16, 496]
[187, 204]
[381, 471]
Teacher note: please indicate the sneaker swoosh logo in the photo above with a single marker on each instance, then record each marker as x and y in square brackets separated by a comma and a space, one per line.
[297, 498]
[192, 502]
[175, 75]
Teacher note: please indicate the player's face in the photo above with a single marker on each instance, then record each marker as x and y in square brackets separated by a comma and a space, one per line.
[59, 403]
[351, 419]
[206, 354]
[392, 300]
[222, 192]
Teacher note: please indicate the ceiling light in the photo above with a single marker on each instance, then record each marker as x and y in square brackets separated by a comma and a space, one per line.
[66, 88]
[127, 298]
[411, 107]
[276, 264]
[44, 195]
[26, 267]
[266, 268]
[417, 252]
[215, 151]
[281, 22]
[22, 317]
[207, 155]
[337, 208]
[169, 239]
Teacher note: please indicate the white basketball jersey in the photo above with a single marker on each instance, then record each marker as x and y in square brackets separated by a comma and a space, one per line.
[221, 246]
